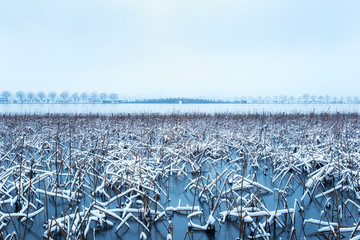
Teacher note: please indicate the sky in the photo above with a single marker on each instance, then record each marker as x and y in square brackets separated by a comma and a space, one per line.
[181, 48]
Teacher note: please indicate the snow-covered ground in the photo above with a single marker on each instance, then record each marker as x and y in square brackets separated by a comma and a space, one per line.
[176, 108]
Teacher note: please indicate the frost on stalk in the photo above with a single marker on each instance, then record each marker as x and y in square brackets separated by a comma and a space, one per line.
[104, 172]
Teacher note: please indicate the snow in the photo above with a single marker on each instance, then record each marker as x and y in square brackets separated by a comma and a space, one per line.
[143, 236]
[122, 177]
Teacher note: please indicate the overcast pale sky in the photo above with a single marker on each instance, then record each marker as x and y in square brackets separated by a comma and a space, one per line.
[181, 47]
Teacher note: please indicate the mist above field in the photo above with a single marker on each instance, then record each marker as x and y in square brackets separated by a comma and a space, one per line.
[181, 48]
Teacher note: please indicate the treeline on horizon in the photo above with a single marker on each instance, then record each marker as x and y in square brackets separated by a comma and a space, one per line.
[94, 97]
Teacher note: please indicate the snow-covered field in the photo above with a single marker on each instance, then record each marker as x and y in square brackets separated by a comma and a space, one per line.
[175, 108]
[187, 176]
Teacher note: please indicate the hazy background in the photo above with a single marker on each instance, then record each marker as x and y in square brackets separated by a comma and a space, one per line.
[181, 48]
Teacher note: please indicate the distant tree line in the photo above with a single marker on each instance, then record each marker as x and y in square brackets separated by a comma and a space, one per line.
[305, 99]
[53, 97]
[94, 97]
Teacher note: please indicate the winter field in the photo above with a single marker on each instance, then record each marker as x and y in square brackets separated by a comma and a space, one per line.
[175, 108]
[180, 176]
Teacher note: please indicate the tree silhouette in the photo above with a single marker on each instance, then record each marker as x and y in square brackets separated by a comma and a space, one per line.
[41, 96]
[20, 95]
[30, 96]
[6, 94]
[64, 96]
[113, 97]
[52, 96]
[84, 97]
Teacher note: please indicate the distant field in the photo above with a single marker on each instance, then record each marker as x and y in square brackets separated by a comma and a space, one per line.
[180, 176]
[139, 108]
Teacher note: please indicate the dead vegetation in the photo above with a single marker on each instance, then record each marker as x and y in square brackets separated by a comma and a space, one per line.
[78, 174]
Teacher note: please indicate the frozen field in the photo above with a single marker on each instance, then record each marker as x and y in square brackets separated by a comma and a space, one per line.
[193, 176]
[176, 108]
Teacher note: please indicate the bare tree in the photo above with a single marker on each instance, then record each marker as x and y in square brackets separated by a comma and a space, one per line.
[84, 97]
[243, 99]
[250, 99]
[276, 99]
[52, 96]
[306, 97]
[94, 97]
[103, 96]
[75, 97]
[41, 96]
[20, 95]
[313, 98]
[30, 96]
[259, 99]
[349, 99]
[283, 98]
[113, 97]
[320, 99]
[327, 99]
[6, 94]
[291, 99]
[64, 96]
[268, 99]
